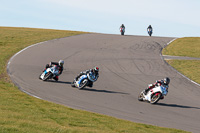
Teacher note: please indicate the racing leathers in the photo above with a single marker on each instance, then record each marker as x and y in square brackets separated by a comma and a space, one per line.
[149, 27]
[96, 74]
[157, 83]
[123, 27]
[60, 68]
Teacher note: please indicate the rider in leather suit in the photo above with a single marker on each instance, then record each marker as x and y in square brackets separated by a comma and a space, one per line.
[149, 27]
[165, 82]
[122, 26]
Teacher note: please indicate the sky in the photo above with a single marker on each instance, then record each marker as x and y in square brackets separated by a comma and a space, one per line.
[169, 18]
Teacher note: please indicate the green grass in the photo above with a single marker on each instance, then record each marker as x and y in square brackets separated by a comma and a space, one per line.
[21, 113]
[190, 47]
[189, 68]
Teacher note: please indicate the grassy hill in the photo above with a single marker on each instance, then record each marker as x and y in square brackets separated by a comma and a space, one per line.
[189, 47]
[21, 113]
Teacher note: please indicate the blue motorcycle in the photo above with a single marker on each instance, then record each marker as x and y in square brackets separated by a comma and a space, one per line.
[49, 73]
[83, 80]
[149, 30]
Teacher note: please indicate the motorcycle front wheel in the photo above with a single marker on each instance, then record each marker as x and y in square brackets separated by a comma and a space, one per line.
[47, 76]
[83, 84]
[141, 96]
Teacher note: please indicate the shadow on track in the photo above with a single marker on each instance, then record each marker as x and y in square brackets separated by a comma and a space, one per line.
[61, 82]
[104, 91]
[177, 106]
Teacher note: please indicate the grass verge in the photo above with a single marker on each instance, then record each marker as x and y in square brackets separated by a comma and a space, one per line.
[190, 68]
[189, 47]
[21, 113]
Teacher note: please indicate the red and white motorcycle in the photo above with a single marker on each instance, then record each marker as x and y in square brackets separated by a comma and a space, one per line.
[154, 95]
[122, 30]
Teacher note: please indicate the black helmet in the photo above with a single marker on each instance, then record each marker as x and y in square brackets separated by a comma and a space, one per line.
[166, 81]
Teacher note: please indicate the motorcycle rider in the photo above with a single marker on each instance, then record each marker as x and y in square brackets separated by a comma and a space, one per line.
[150, 28]
[60, 67]
[94, 71]
[164, 82]
[123, 27]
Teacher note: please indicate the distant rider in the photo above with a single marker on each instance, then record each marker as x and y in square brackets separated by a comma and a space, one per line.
[60, 67]
[94, 71]
[149, 27]
[122, 26]
[164, 82]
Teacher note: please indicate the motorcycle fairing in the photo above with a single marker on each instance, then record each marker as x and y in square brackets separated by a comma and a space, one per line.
[80, 79]
[160, 89]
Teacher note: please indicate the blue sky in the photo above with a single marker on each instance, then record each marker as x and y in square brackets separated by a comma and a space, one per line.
[170, 18]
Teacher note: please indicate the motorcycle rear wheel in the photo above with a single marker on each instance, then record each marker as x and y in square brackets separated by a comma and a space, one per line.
[47, 76]
[155, 98]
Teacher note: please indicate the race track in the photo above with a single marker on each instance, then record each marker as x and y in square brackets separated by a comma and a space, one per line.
[127, 65]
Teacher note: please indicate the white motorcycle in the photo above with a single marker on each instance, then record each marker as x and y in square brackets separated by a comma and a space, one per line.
[83, 80]
[49, 73]
[154, 95]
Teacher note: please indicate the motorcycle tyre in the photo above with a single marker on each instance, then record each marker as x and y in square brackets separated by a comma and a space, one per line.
[141, 96]
[40, 77]
[47, 76]
[157, 99]
[150, 34]
[72, 84]
[83, 85]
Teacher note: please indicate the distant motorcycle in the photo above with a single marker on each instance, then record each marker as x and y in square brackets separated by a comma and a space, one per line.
[83, 80]
[122, 30]
[149, 30]
[153, 95]
[49, 73]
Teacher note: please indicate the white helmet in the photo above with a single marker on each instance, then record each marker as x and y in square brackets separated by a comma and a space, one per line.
[96, 69]
[61, 62]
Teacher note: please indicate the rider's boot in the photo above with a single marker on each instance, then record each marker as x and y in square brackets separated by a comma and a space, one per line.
[56, 78]
[90, 84]
[162, 97]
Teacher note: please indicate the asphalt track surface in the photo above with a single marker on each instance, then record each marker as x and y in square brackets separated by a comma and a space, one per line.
[127, 65]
